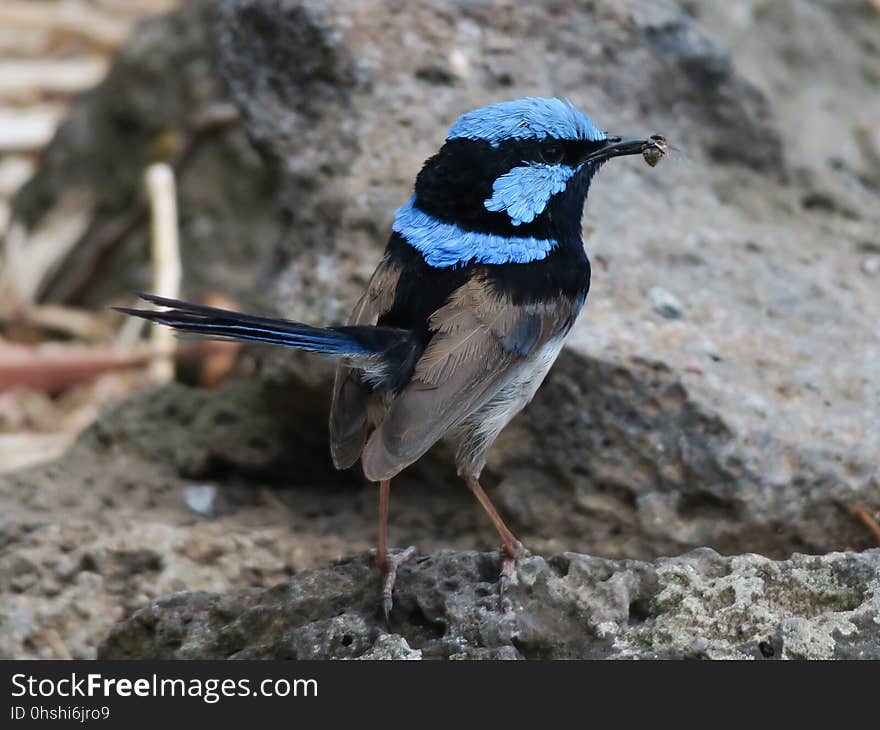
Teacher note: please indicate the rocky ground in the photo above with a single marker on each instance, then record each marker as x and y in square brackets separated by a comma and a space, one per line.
[696, 606]
[721, 389]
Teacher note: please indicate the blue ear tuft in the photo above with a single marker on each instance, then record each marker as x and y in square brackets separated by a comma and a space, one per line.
[528, 118]
[525, 191]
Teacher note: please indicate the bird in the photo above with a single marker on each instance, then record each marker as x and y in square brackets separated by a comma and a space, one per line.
[482, 278]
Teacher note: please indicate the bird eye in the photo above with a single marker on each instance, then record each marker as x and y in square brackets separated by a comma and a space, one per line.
[552, 153]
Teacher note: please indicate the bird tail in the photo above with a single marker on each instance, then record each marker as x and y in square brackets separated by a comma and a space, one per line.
[360, 345]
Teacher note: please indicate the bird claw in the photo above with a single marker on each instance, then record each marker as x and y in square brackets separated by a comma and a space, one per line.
[510, 555]
[389, 576]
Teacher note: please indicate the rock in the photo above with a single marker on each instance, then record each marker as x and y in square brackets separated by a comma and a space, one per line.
[311, 174]
[607, 460]
[871, 265]
[664, 303]
[200, 498]
[569, 606]
[750, 425]
[813, 67]
[693, 70]
[391, 646]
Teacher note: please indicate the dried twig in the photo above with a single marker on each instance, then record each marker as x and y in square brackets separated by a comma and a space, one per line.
[136, 8]
[78, 323]
[867, 519]
[27, 130]
[20, 450]
[28, 260]
[64, 76]
[80, 19]
[55, 367]
[165, 247]
[15, 171]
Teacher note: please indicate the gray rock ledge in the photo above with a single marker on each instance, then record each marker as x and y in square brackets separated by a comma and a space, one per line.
[697, 605]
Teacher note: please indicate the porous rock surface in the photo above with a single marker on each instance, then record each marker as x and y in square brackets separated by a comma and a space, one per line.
[569, 606]
[748, 423]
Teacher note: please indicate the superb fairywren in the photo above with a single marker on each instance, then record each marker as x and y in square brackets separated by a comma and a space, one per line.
[481, 281]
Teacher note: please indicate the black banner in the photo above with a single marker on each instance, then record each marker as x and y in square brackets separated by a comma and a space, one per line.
[120, 694]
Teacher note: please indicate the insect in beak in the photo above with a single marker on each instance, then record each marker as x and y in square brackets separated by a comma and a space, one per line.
[655, 150]
[651, 149]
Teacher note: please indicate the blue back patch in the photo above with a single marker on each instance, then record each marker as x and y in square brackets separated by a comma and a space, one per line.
[529, 118]
[445, 244]
[525, 191]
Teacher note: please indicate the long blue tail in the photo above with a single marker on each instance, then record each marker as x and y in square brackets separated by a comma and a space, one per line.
[357, 342]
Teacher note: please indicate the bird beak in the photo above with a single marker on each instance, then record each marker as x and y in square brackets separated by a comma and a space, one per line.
[618, 147]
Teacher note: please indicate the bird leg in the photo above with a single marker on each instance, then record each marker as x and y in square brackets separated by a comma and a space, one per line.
[511, 548]
[388, 564]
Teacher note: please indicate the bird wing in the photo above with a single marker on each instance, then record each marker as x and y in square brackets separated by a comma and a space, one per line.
[351, 396]
[479, 341]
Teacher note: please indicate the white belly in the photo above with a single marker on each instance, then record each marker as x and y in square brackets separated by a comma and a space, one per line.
[483, 427]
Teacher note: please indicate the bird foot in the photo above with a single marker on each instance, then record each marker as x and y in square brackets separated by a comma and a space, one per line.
[510, 555]
[389, 567]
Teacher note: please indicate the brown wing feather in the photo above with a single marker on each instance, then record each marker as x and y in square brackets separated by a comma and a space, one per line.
[479, 343]
[351, 396]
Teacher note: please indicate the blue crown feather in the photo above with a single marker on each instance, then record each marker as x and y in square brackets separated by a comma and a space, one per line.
[445, 244]
[525, 191]
[529, 118]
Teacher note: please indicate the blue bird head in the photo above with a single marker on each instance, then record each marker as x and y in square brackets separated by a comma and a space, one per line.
[509, 184]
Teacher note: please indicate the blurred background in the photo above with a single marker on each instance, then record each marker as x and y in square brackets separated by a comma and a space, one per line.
[49, 53]
[722, 387]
